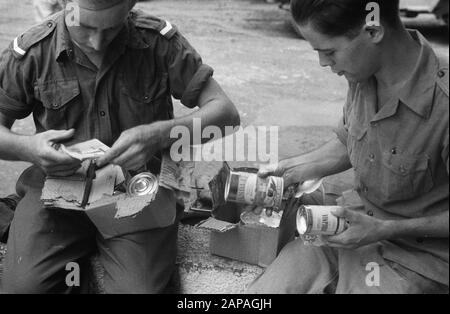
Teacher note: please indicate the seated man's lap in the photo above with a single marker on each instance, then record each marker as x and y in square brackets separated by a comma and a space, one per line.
[43, 241]
[365, 270]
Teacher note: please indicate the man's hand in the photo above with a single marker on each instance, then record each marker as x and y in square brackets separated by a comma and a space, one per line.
[43, 152]
[362, 230]
[135, 146]
[290, 175]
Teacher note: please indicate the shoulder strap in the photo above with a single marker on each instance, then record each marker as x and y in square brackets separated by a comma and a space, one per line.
[31, 37]
[147, 21]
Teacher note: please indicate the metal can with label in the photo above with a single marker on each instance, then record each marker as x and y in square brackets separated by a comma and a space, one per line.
[144, 183]
[248, 188]
[319, 220]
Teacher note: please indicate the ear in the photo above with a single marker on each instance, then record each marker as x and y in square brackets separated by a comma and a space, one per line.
[375, 33]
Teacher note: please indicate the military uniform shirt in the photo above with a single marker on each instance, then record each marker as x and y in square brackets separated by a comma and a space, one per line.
[44, 73]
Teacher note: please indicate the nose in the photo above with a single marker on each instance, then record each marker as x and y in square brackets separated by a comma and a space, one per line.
[325, 61]
[96, 41]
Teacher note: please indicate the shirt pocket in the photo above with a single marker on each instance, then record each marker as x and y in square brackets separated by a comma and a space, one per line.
[404, 177]
[57, 98]
[143, 103]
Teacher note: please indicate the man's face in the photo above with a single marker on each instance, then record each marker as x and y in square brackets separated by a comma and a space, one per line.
[355, 58]
[98, 28]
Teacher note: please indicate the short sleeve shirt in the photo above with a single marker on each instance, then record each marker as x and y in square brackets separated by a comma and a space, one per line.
[43, 73]
[400, 153]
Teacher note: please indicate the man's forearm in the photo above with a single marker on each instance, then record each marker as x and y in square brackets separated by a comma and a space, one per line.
[329, 159]
[436, 226]
[215, 110]
[13, 146]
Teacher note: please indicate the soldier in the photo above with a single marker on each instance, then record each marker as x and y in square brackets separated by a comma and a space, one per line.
[110, 74]
[395, 134]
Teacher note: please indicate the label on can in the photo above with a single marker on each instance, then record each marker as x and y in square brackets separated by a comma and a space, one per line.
[319, 220]
[248, 188]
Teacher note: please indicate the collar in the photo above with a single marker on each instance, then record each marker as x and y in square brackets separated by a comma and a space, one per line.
[129, 36]
[418, 91]
[64, 46]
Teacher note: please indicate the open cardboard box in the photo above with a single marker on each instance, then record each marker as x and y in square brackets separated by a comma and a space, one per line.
[116, 214]
[251, 243]
[110, 208]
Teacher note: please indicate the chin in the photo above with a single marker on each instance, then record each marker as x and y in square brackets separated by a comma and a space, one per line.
[354, 79]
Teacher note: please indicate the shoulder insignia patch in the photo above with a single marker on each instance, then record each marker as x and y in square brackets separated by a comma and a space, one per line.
[24, 42]
[144, 20]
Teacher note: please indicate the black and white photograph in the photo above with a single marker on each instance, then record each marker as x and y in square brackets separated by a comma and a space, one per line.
[224, 152]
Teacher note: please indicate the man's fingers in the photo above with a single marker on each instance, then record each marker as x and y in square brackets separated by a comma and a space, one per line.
[130, 158]
[346, 213]
[64, 168]
[267, 170]
[60, 158]
[60, 135]
[118, 149]
[340, 212]
[61, 173]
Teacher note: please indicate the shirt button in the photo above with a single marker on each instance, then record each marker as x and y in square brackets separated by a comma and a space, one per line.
[370, 213]
[394, 151]
[146, 97]
[102, 113]
[441, 73]
[49, 24]
[402, 169]
[372, 157]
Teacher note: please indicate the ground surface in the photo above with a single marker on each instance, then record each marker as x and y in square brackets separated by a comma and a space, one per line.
[271, 75]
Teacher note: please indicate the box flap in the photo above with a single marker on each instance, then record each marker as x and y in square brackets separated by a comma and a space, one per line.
[216, 225]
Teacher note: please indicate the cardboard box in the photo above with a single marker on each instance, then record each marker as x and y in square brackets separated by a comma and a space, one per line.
[253, 244]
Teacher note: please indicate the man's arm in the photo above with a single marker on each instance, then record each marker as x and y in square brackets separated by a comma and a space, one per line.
[38, 149]
[364, 229]
[428, 227]
[329, 159]
[12, 145]
[216, 109]
[136, 145]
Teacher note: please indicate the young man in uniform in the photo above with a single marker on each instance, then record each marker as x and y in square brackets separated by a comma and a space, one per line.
[108, 73]
[395, 134]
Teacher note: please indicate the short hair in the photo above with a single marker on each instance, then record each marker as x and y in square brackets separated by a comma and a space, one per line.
[342, 17]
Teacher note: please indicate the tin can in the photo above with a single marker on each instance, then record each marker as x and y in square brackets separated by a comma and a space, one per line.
[144, 183]
[248, 188]
[319, 220]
